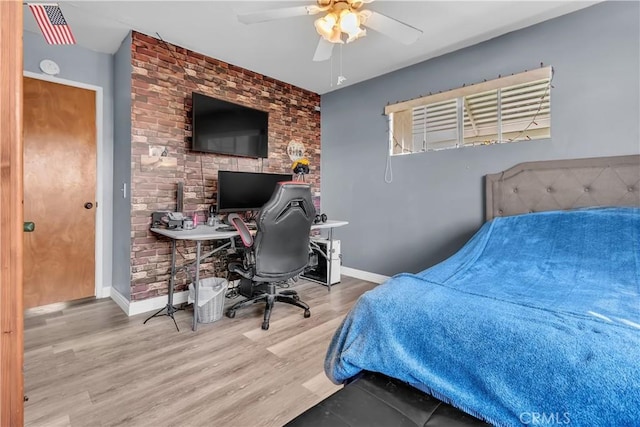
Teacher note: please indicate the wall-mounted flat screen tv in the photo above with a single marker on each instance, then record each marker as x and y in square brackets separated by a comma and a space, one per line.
[226, 128]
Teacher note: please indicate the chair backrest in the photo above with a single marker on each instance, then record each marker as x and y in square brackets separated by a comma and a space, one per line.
[281, 244]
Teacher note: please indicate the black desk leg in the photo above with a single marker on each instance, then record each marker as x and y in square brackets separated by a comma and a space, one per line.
[169, 307]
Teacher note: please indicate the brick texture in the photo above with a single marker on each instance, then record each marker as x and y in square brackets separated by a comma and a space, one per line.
[163, 79]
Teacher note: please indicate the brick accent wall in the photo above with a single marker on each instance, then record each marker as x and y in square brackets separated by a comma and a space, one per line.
[163, 79]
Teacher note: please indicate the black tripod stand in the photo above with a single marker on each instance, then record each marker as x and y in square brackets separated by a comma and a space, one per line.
[169, 307]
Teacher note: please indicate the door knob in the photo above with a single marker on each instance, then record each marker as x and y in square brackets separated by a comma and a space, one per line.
[28, 226]
[88, 205]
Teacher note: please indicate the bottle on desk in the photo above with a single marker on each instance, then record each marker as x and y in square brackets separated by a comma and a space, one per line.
[211, 220]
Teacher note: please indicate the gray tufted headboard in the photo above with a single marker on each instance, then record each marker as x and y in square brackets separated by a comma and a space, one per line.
[563, 184]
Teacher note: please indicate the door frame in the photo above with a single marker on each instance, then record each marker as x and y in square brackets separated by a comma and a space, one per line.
[11, 213]
[100, 291]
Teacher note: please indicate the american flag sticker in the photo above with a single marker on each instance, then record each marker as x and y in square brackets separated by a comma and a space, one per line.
[52, 23]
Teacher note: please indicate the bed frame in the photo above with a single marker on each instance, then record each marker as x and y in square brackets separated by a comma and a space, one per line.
[526, 187]
[563, 184]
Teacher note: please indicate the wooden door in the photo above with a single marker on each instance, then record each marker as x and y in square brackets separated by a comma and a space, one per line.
[11, 322]
[59, 192]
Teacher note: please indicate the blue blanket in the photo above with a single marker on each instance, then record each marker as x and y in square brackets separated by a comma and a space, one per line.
[535, 321]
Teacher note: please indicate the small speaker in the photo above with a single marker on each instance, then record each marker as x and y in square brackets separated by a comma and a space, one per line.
[320, 218]
[180, 198]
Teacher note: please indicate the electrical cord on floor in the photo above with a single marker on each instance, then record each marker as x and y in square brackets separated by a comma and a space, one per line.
[233, 292]
[289, 283]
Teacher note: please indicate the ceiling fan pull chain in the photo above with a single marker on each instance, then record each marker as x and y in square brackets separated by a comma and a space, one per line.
[331, 72]
[341, 77]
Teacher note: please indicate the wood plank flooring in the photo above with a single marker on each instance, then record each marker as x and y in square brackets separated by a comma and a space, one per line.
[89, 364]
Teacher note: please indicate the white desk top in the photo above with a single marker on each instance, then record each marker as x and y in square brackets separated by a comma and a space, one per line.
[201, 232]
[204, 232]
[329, 224]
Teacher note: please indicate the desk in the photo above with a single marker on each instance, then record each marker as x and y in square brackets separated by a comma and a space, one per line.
[206, 233]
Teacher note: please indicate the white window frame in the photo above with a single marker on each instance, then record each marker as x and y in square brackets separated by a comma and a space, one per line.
[453, 127]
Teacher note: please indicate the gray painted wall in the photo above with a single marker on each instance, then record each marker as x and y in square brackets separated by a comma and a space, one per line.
[81, 65]
[122, 170]
[435, 202]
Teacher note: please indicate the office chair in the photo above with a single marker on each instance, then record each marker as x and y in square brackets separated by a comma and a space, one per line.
[279, 251]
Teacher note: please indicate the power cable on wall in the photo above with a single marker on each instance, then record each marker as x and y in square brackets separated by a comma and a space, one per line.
[204, 196]
[184, 69]
[388, 171]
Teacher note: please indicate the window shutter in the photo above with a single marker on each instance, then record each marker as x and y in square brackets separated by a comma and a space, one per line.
[526, 109]
[435, 126]
[481, 117]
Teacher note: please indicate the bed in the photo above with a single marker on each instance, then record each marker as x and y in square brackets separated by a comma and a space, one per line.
[536, 320]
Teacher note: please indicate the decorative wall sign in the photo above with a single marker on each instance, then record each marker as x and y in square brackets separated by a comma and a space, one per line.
[295, 150]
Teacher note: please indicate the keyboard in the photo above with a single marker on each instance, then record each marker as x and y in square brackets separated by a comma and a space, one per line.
[232, 228]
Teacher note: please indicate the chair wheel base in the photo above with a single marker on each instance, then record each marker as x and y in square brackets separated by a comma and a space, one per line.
[307, 314]
[231, 314]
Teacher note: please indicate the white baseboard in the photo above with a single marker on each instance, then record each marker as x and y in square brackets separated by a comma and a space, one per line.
[119, 299]
[104, 292]
[138, 307]
[363, 275]
[131, 308]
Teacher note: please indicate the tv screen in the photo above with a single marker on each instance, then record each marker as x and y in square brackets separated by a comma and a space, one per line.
[226, 128]
[246, 191]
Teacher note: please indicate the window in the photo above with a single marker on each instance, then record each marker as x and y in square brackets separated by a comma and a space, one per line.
[507, 109]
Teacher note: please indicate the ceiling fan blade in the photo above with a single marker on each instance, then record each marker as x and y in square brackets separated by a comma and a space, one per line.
[273, 14]
[323, 51]
[398, 31]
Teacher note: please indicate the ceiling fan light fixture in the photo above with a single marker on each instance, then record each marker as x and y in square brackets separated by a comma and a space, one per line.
[360, 32]
[349, 22]
[336, 36]
[332, 25]
[325, 26]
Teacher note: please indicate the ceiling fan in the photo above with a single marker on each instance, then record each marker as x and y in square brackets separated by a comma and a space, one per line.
[343, 21]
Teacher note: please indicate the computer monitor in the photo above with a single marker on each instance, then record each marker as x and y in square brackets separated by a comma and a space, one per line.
[246, 191]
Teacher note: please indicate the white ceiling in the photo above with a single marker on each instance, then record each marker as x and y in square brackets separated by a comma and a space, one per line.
[284, 49]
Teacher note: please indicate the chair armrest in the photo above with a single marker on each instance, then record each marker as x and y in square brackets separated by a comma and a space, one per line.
[242, 229]
[236, 267]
